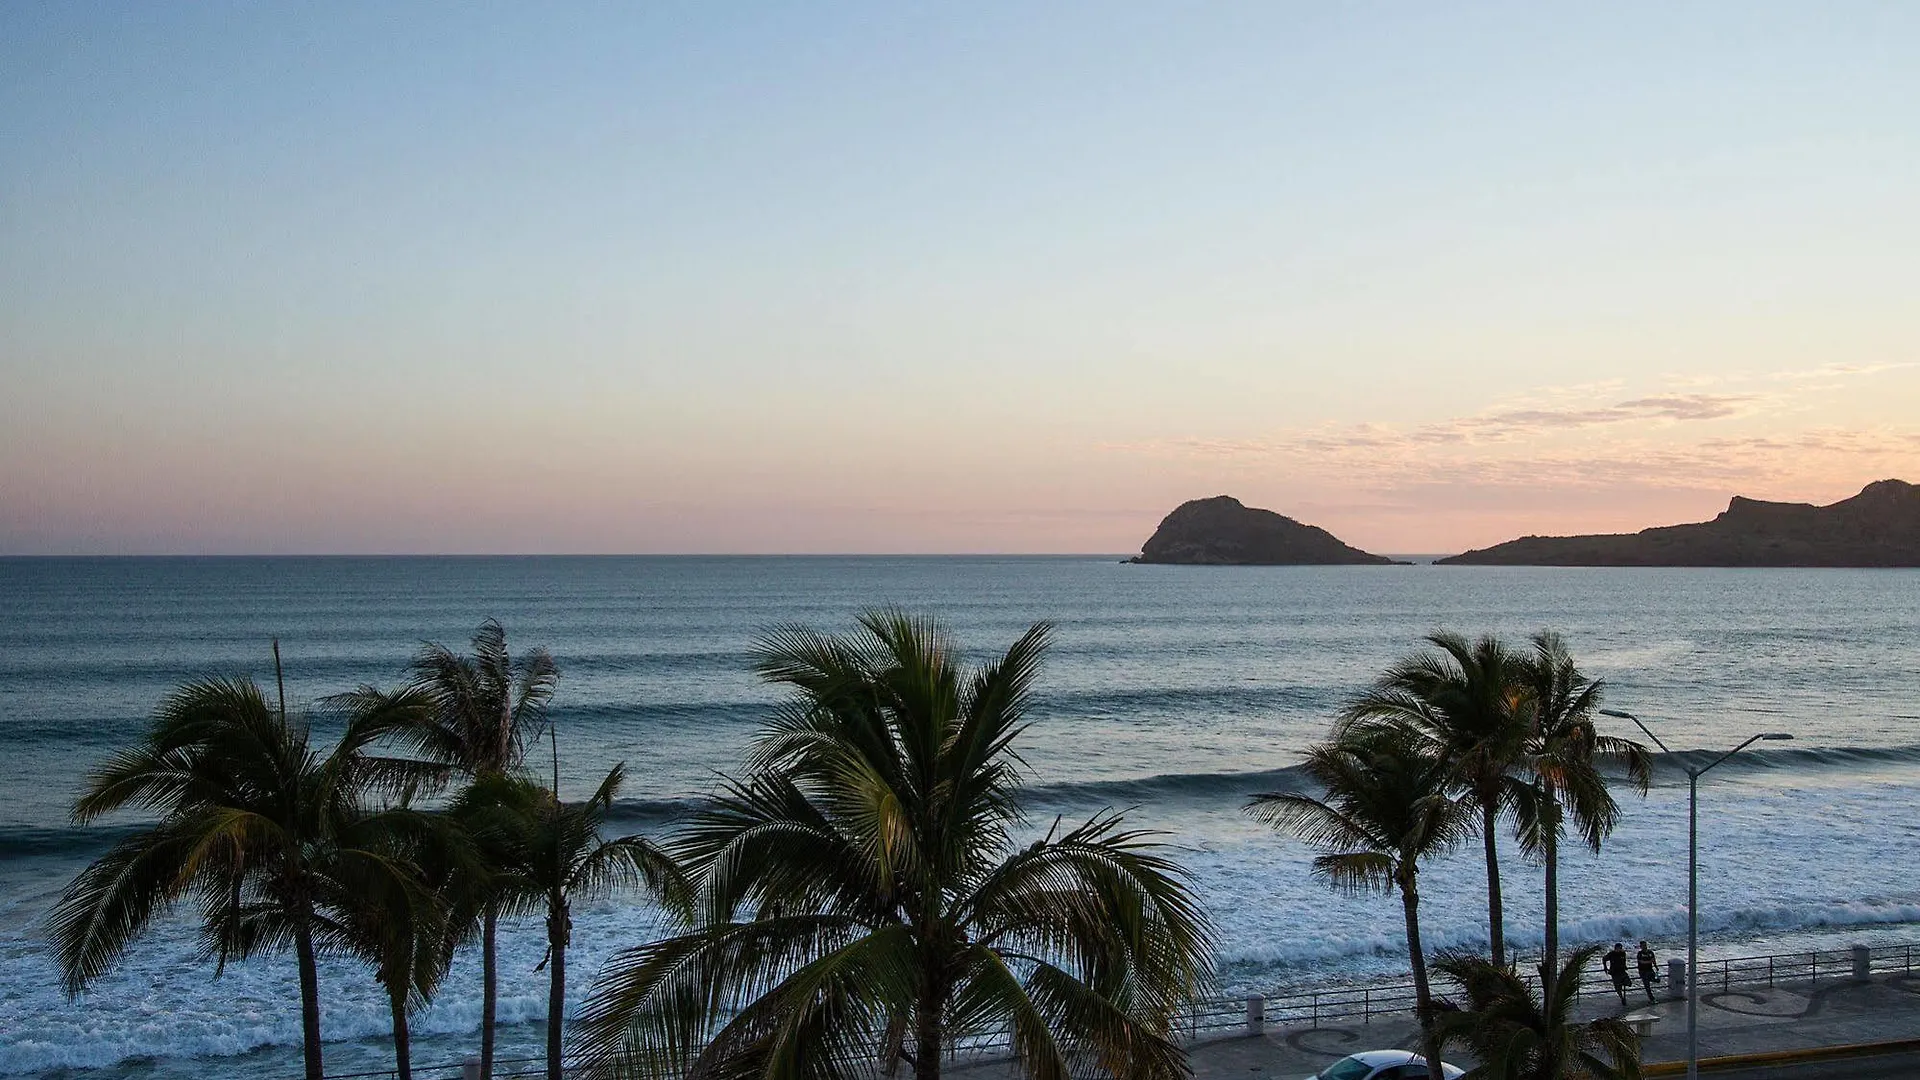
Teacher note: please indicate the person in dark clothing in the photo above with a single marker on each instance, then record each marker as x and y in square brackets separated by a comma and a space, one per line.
[1616, 965]
[1648, 969]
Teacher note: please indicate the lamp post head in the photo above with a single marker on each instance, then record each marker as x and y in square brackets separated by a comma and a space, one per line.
[1775, 736]
[1621, 715]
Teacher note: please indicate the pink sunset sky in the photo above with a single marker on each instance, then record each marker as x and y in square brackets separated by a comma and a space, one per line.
[1007, 278]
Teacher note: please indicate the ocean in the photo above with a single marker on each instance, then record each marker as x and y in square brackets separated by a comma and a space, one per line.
[1174, 692]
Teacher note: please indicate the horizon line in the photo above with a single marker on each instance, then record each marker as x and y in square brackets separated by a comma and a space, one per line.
[636, 555]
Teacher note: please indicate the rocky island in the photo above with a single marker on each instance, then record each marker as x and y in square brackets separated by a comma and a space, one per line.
[1222, 532]
[1878, 527]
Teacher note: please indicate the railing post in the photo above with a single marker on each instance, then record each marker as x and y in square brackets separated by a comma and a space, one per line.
[1769, 972]
[1256, 1014]
[1816, 966]
[1366, 1004]
[1316, 1010]
[1862, 963]
[1676, 978]
[470, 1069]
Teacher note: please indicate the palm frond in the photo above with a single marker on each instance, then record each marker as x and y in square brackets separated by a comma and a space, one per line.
[201, 720]
[762, 843]
[1310, 819]
[1358, 871]
[1101, 897]
[991, 997]
[632, 863]
[1105, 1036]
[653, 1008]
[110, 902]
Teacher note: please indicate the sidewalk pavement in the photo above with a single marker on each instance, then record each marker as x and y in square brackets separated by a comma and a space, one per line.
[1739, 1021]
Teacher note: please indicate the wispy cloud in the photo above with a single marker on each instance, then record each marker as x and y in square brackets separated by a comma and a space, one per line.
[1597, 435]
[1500, 424]
[1678, 407]
[1833, 371]
[1825, 374]
[1382, 456]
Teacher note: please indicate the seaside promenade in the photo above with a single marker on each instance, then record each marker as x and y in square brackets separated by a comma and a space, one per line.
[1733, 1023]
[1795, 1014]
[1741, 1021]
[1736, 1019]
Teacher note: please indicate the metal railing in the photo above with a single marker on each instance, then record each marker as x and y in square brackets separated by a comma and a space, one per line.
[1362, 1002]
[1804, 967]
[1774, 969]
[1889, 959]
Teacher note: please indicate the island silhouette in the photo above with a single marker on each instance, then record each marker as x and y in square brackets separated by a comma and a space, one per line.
[1880, 527]
[1222, 531]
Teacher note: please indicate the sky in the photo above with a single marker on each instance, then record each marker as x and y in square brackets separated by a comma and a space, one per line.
[984, 277]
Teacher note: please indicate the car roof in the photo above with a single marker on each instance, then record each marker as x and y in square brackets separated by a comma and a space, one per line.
[1377, 1058]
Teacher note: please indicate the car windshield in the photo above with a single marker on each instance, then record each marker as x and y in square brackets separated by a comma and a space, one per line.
[1347, 1068]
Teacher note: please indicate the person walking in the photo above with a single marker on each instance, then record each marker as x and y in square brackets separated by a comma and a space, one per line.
[1616, 965]
[1649, 973]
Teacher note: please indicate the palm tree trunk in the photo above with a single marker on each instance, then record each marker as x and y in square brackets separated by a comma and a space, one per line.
[1417, 956]
[1550, 854]
[402, 1037]
[309, 996]
[557, 979]
[489, 988]
[1496, 926]
[928, 1032]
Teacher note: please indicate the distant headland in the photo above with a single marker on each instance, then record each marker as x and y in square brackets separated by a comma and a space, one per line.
[1880, 527]
[1221, 531]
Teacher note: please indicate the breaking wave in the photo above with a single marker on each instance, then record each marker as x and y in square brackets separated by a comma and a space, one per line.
[29, 841]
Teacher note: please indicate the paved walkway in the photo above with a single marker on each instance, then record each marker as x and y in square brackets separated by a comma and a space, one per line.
[1740, 1021]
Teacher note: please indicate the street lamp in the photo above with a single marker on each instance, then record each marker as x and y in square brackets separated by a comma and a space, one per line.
[1693, 876]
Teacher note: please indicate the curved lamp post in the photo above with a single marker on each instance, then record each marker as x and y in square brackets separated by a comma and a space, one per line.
[1693, 875]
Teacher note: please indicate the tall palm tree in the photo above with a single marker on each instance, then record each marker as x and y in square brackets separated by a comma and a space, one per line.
[558, 856]
[1466, 702]
[1520, 1035]
[861, 895]
[265, 835]
[1563, 758]
[1385, 808]
[480, 713]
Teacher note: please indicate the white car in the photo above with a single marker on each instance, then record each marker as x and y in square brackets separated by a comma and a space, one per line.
[1384, 1065]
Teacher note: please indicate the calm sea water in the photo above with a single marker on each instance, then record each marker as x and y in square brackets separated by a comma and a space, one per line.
[1176, 691]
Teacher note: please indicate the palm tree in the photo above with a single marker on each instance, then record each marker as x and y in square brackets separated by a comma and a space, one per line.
[479, 713]
[1563, 758]
[1520, 1035]
[266, 835]
[861, 897]
[394, 914]
[558, 856]
[1385, 809]
[1466, 703]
